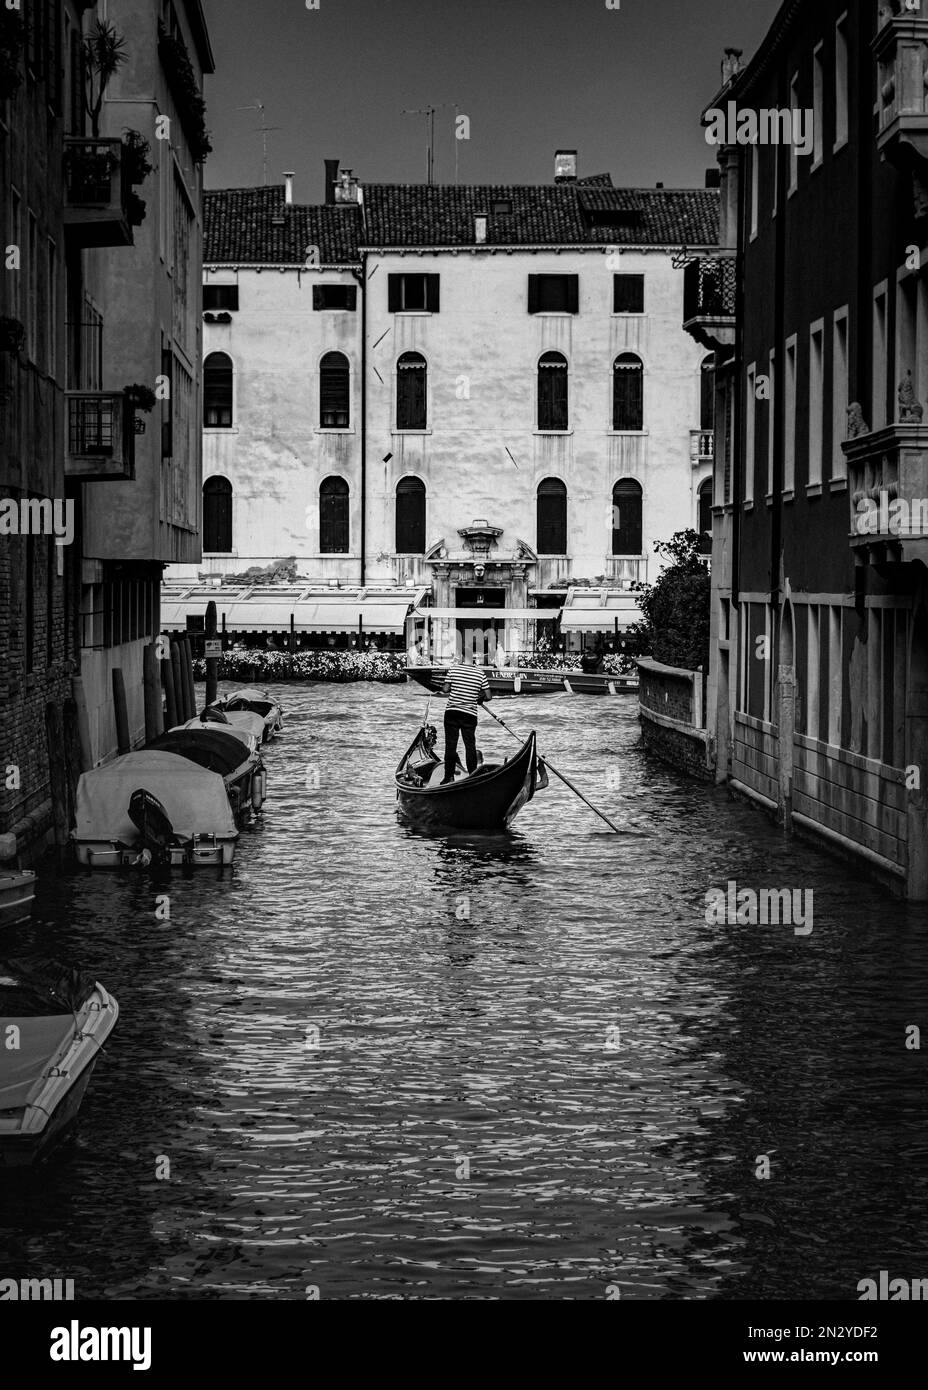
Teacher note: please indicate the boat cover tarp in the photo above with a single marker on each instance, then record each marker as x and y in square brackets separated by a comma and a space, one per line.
[42, 986]
[195, 800]
[245, 719]
[24, 1068]
[236, 699]
[207, 746]
[229, 731]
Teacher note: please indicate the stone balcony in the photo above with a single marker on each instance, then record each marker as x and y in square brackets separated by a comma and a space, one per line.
[888, 493]
[100, 441]
[901, 52]
[702, 447]
[709, 296]
[96, 193]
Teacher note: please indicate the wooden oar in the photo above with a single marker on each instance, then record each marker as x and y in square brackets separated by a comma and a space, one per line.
[567, 783]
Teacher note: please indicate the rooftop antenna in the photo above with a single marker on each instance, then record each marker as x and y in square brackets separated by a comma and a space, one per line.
[262, 131]
[429, 112]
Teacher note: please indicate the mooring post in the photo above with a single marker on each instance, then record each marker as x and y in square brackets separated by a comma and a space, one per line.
[212, 662]
[154, 719]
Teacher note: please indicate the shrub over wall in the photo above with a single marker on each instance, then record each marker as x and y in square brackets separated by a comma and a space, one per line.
[676, 608]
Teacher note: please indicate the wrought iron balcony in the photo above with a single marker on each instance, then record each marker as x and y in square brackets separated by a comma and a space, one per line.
[100, 436]
[709, 300]
[888, 491]
[702, 446]
[901, 52]
[96, 193]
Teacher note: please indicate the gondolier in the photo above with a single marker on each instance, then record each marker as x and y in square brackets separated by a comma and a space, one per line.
[467, 687]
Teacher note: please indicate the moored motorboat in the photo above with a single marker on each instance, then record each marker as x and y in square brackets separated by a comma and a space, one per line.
[59, 1018]
[253, 701]
[230, 752]
[17, 893]
[153, 806]
[245, 720]
[533, 682]
[487, 799]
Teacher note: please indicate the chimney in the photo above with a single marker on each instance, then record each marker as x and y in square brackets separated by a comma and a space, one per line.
[331, 178]
[658, 185]
[288, 187]
[731, 64]
[714, 177]
[480, 228]
[565, 166]
[347, 189]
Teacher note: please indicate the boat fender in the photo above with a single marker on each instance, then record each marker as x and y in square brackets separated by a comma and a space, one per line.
[612, 687]
[517, 685]
[259, 788]
[568, 687]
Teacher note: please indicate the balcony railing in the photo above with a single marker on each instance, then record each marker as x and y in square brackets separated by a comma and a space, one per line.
[901, 51]
[622, 573]
[888, 492]
[96, 193]
[702, 446]
[100, 438]
[709, 285]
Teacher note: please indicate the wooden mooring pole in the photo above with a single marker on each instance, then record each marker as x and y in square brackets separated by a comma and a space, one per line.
[212, 662]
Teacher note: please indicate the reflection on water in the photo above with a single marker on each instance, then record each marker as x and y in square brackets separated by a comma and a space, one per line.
[494, 1066]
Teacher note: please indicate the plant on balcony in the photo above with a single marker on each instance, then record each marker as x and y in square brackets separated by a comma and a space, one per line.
[12, 37]
[135, 209]
[676, 608]
[135, 162]
[12, 335]
[104, 51]
[140, 397]
[182, 80]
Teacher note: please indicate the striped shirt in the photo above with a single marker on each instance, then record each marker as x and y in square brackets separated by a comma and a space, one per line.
[466, 684]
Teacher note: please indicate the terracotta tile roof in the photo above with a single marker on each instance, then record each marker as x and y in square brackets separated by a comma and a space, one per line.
[239, 228]
[250, 226]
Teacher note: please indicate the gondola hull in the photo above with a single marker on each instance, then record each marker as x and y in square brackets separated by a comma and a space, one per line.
[488, 800]
[529, 682]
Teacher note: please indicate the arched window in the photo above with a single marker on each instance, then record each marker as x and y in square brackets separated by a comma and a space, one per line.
[552, 517]
[217, 515]
[705, 516]
[410, 517]
[333, 391]
[411, 391]
[333, 516]
[217, 391]
[552, 391]
[627, 392]
[707, 393]
[626, 518]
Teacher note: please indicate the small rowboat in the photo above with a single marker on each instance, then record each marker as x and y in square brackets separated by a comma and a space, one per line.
[531, 682]
[487, 799]
[60, 1019]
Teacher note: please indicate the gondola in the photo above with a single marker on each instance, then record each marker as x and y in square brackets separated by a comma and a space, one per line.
[533, 682]
[487, 799]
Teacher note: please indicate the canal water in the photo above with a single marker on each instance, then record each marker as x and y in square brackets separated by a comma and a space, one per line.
[372, 1064]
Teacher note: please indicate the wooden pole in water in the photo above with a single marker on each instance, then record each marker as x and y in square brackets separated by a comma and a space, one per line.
[292, 634]
[180, 689]
[121, 710]
[154, 718]
[83, 723]
[167, 685]
[212, 662]
[187, 651]
[57, 772]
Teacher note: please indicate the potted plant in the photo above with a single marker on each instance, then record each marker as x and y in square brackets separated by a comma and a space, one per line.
[135, 162]
[12, 335]
[104, 52]
[191, 107]
[140, 397]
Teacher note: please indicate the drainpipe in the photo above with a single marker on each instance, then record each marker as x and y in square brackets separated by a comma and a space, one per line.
[361, 277]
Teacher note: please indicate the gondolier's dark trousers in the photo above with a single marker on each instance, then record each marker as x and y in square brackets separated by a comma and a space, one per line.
[456, 721]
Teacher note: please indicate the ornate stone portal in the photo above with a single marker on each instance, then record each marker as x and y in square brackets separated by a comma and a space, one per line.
[475, 564]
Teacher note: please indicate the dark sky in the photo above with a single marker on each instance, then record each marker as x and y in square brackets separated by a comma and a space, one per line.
[624, 87]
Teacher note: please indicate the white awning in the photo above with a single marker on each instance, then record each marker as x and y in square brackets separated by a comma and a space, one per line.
[592, 611]
[502, 615]
[315, 615]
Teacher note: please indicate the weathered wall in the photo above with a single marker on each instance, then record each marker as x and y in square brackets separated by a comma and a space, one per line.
[669, 708]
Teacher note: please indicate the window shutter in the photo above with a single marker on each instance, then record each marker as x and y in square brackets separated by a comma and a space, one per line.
[351, 297]
[318, 297]
[533, 295]
[573, 293]
[394, 294]
[432, 293]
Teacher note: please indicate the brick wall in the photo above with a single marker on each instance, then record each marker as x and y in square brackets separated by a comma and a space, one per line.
[668, 702]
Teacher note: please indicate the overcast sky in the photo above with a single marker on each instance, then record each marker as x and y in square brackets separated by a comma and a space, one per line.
[624, 87]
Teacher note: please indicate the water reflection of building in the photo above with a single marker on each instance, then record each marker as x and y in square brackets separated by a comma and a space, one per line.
[820, 622]
[484, 391]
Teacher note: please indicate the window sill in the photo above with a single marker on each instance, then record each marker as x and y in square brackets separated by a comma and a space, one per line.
[748, 506]
[839, 145]
[769, 499]
[814, 168]
[334, 429]
[408, 313]
[630, 434]
[395, 434]
[555, 314]
[788, 495]
[838, 485]
[557, 434]
[814, 489]
[220, 554]
[220, 429]
[543, 555]
[624, 314]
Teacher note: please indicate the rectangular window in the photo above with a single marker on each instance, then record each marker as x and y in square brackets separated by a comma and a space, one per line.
[789, 417]
[907, 329]
[818, 106]
[167, 404]
[30, 602]
[16, 233]
[771, 419]
[813, 671]
[628, 294]
[834, 676]
[816, 400]
[878, 391]
[754, 176]
[793, 150]
[554, 294]
[413, 294]
[32, 291]
[335, 297]
[750, 433]
[53, 72]
[220, 297]
[51, 309]
[839, 394]
[841, 68]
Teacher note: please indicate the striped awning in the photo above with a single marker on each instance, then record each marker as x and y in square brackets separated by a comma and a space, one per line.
[313, 615]
[502, 615]
[596, 615]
